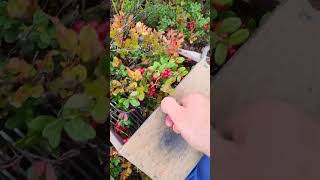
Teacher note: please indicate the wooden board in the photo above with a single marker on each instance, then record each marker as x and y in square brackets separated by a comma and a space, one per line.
[156, 149]
[266, 101]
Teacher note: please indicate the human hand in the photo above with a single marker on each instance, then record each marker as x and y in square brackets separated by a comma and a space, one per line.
[190, 118]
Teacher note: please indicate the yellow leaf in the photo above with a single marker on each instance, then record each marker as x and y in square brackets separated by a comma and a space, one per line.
[24, 92]
[134, 75]
[116, 62]
[76, 73]
[20, 69]
[116, 87]
[67, 38]
[132, 86]
[90, 47]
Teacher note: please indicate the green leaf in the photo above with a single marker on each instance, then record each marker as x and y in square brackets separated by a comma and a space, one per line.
[122, 100]
[40, 18]
[213, 14]
[78, 101]
[163, 60]
[134, 102]
[29, 140]
[180, 60]
[264, 18]
[11, 36]
[178, 78]
[229, 25]
[171, 64]
[162, 67]
[45, 38]
[239, 37]
[19, 119]
[184, 73]
[156, 74]
[214, 39]
[79, 130]
[156, 64]
[40, 122]
[223, 2]
[52, 132]
[181, 69]
[134, 93]
[252, 25]
[3, 6]
[220, 54]
[99, 111]
[42, 45]
[126, 103]
[227, 14]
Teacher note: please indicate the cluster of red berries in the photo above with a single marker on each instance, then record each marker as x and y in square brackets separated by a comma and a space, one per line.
[152, 89]
[101, 28]
[121, 130]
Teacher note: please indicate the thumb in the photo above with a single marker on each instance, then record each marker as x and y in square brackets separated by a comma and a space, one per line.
[171, 107]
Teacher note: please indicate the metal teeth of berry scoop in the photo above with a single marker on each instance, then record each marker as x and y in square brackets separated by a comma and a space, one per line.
[134, 115]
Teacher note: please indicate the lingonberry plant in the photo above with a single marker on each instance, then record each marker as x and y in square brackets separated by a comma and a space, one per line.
[144, 69]
[61, 90]
[53, 84]
[228, 31]
[186, 16]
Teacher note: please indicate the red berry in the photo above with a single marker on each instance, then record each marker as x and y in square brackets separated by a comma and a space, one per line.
[231, 51]
[118, 128]
[78, 25]
[167, 73]
[217, 25]
[93, 124]
[191, 25]
[152, 91]
[219, 7]
[125, 140]
[93, 24]
[141, 70]
[206, 26]
[189, 60]
[102, 30]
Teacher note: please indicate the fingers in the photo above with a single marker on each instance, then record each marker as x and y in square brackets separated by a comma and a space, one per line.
[171, 107]
[169, 122]
[175, 129]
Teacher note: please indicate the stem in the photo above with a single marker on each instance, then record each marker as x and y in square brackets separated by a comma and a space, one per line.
[114, 6]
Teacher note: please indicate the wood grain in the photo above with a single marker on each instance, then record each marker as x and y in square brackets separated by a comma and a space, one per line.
[156, 149]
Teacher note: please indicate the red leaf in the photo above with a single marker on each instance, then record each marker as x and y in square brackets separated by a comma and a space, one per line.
[38, 168]
[50, 173]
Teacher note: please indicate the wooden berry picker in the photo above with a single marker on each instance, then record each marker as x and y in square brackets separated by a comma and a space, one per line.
[146, 67]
